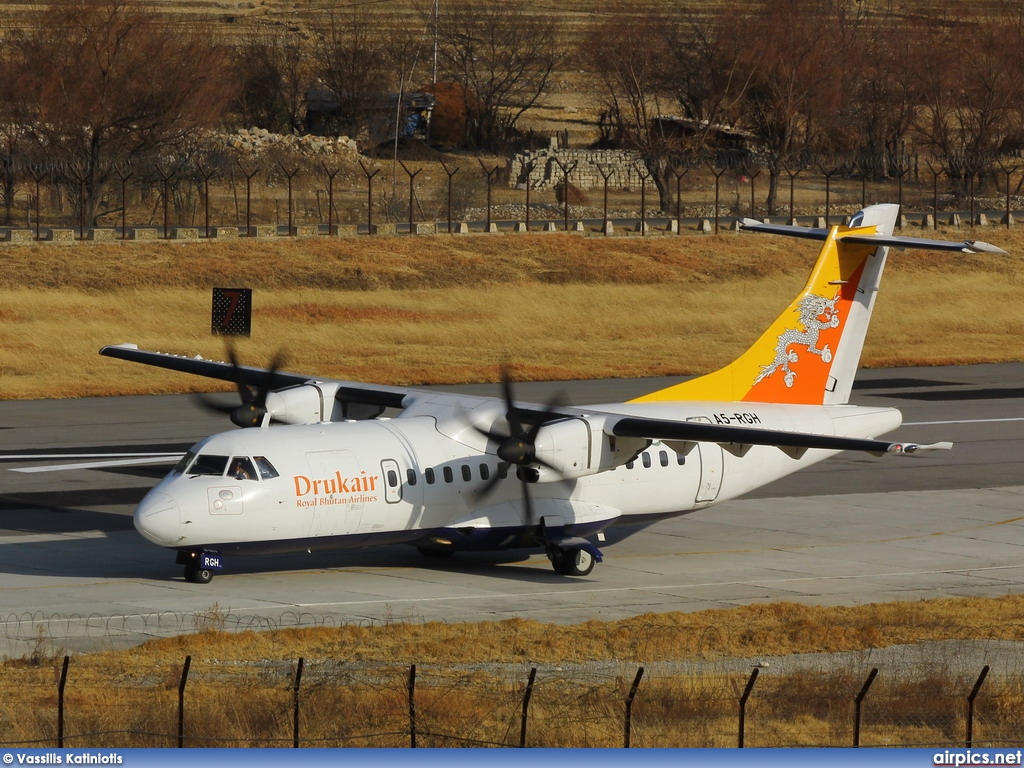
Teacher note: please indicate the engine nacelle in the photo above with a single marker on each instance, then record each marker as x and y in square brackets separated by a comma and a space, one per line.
[577, 447]
[304, 404]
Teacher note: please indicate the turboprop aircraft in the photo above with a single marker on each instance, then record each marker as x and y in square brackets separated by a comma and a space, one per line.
[319, 465]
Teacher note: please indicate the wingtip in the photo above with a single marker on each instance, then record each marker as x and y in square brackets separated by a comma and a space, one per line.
[980, 246]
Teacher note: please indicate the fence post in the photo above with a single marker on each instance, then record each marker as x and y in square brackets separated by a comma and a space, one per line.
[451, 175]
[412, 177]
[369, 197]
[290, 175]
[643, 200]
[970, 706]
[718, 192]
[679, 198]
[857, 702]
[629, 706]
[60, 702]
[526, 706]
[490, 180]
[38, 175]
[566, 170]
[295, 704]
[181, 701]
[331, 173]
[828, 173]
[412, 706]
[743, 705]
[792, 183]
[606, 175]
[165, 177]
[529, 174]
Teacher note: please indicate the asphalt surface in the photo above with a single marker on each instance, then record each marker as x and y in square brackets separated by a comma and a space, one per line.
[852, 530]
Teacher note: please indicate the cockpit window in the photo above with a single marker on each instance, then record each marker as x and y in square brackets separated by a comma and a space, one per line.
[242, 468]
[184, 462]
[206, 464]
[266, 469]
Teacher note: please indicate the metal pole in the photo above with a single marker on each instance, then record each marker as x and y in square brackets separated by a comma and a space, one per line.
[295, 703]
[181, 701]
[743, 705]
[60, 702]
[629, 706]
[412, 706]
[970, 706]
[857, 702]
[526, 706]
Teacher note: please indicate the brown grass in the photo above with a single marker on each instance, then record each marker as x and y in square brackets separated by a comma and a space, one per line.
[354, 690]
[436, 309]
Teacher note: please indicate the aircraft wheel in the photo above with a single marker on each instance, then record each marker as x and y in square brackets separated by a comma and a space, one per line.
[198, 575]
[573, 562]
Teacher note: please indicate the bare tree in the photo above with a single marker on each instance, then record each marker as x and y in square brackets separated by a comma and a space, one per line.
[796, 56]
[503, 56]
[272, 71]
[632, 62]
[350, 63]
[972, 99]
[109, 84]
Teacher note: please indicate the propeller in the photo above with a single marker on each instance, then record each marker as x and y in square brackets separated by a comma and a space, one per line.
[518, 447]
[253, 409]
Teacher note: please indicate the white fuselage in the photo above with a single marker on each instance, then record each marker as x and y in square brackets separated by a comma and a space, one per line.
[417, 479]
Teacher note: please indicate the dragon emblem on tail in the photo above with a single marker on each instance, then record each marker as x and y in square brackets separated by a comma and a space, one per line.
[816, 315]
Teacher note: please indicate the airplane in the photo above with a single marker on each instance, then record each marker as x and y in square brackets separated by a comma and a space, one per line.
[323, 464]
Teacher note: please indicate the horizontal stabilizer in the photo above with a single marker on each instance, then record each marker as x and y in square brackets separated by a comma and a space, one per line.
[894, 241]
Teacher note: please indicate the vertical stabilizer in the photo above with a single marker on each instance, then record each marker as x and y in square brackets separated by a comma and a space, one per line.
[811, 352]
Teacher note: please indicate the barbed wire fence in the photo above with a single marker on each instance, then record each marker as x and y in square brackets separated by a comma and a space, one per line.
[940, 694]
[216, 194]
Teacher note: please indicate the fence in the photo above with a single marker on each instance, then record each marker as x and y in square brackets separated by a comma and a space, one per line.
[325, 197]
[98, 702]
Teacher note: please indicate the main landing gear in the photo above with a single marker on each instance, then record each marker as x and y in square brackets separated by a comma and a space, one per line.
[573, 561]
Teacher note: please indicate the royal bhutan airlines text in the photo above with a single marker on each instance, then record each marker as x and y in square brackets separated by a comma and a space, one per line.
[358, 489]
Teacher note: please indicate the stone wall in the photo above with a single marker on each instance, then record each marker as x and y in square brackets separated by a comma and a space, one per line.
[540, 168]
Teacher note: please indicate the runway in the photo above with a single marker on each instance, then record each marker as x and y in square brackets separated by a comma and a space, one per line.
[852, 530]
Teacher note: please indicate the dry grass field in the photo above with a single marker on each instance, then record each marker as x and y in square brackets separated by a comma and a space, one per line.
[442, 309]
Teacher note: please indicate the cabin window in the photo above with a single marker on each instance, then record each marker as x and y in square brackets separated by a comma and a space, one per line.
[242, 468]
[630, 464]
[428, 473]
[392, 478]
[485, 472]
[646, 457]
[410, 476]
[449, 476]
[663, 457]
[206, 464]
[502, 469]
[680, 459]
[467, 472]
[265, 468]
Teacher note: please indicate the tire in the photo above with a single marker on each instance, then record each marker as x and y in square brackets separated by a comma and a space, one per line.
[573, 562]
[198, 575]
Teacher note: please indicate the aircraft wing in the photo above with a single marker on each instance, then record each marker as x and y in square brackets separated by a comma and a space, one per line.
[370, 394]
[702, 432]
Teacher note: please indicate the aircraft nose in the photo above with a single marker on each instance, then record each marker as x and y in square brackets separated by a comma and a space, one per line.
[158, 519]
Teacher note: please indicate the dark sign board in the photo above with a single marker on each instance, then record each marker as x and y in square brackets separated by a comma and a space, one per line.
[232, 312]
